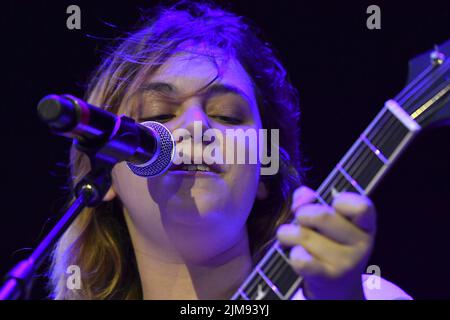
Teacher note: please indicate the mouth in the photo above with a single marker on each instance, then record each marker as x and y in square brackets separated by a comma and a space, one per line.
[196, 169]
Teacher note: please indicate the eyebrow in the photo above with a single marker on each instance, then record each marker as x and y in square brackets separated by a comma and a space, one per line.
[210, 90]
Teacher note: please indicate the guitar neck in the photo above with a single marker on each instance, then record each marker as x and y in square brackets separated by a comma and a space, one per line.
[361, 168]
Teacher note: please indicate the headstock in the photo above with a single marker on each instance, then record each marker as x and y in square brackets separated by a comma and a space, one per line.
[427, 96]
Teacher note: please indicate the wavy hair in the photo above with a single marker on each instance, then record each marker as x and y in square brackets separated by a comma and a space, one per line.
[98, 240]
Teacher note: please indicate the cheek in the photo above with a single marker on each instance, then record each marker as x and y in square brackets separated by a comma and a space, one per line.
[243, 184]
[131, 189]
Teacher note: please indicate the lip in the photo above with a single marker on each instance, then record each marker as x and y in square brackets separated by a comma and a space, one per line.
[194, 174]
[214, 169]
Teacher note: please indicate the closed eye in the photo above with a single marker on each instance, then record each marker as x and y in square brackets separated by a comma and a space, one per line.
[230, 120]
[159, 118]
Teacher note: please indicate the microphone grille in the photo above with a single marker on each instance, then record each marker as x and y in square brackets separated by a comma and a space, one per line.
[164, 156]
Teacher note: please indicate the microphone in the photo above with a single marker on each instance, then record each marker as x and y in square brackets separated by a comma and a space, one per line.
[148, 147]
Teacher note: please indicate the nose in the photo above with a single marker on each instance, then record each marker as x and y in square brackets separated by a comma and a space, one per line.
[193, 123]
[194, 120]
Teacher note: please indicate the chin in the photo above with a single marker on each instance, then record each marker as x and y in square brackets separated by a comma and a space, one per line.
[196, 206]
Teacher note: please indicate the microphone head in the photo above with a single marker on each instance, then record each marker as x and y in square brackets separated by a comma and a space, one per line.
[57, 112]
[163, 156]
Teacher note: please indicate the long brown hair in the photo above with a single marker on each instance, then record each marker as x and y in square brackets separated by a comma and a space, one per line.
[98, 240]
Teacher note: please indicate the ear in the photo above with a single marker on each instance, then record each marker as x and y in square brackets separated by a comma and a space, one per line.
[262, 192]
[110, 194]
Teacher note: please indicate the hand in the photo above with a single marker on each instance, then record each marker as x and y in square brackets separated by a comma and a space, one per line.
[330, 244]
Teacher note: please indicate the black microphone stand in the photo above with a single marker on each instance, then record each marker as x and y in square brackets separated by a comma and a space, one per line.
[89, 192]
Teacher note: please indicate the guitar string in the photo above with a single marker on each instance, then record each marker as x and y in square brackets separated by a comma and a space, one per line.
[426, 84]
[403, 98]
[275, 266]
[278, 270]
[274, 259]
[250, 286]
[361, 151]
[409, 88]
[280, 273]
[397, 132]
[443, 90]
[438, 70]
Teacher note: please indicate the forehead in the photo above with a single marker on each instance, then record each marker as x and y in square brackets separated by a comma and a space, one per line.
[192, 71]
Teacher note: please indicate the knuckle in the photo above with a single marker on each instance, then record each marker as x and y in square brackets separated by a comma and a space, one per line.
[305, 236]
[324, 217]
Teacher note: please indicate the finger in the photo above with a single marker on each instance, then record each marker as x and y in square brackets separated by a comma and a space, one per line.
[304, 263]
[358, 209]
[316, 244]
[325, 220]
[301, 196]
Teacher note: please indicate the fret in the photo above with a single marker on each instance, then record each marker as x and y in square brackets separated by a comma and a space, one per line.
[285, 278]
[259, 289]
[241, 296]
[363, 165]
[379, 121]
[294, 287]
[376, 151]
[350, 179]
[320, 199]
[251, 278]
[402, 115]
[325, 189]
[271, 265]
[395, 154]
[280, 273]
[280, 251]
[270, 283]
[272, 279]
[387, 135]
[339, 184]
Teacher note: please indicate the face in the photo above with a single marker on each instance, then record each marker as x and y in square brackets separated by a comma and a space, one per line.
[178, 95]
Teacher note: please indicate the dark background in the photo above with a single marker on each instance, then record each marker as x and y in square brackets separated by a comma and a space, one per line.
[344, 73]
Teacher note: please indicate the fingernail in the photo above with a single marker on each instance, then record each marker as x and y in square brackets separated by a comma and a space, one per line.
[289, 230]
[300, 253]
